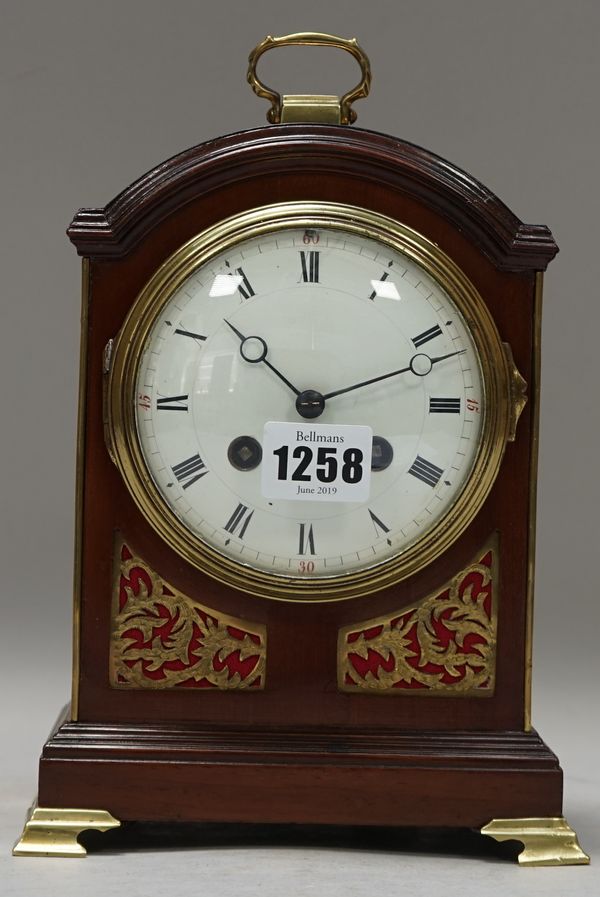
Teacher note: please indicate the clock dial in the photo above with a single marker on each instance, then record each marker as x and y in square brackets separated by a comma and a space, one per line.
[355, 322]
[329, 324]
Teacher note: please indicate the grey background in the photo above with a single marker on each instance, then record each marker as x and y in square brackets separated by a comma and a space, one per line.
[94, 94]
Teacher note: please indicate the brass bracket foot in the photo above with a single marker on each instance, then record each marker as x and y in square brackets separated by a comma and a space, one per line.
[54, 832]
[547, 841]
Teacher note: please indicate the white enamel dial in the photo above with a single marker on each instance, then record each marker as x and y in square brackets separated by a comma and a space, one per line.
[333, 310]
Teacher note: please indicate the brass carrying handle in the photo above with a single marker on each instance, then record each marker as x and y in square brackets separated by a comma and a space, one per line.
[310, 39]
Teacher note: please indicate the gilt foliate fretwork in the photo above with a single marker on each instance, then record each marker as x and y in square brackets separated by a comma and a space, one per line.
[163, 639]
[444, 645]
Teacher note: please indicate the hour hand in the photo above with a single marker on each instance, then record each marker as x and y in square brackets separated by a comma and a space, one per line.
[253, 349]
[235, 330]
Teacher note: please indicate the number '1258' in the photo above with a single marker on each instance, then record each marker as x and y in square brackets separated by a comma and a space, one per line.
[327, 464]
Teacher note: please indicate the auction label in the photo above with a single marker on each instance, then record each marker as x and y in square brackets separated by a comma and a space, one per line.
[316, 462]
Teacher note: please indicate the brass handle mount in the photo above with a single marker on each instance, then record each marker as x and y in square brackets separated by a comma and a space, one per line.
[305, 107]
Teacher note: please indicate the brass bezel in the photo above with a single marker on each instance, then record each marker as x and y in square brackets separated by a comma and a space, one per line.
[122, 430]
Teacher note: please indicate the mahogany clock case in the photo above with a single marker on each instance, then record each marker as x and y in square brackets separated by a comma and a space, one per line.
[301, 749]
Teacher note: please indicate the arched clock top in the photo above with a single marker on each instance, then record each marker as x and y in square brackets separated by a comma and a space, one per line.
[308, 149]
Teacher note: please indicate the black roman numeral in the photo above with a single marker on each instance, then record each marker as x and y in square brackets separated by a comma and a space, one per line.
[190, 471]
[240, 518]
[189, 333]
[384, 276]
[245, 287]
[307, 539]
[444, 406]
[426, 471]
[172, 403]
[310, 266]
[379, 525]
[426, 336]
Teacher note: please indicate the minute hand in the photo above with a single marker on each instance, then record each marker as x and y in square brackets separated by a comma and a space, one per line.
[432, 361]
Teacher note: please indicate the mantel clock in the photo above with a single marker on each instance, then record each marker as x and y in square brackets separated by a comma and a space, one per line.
[306, 494]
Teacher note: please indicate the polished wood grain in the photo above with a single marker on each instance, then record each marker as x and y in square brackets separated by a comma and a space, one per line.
[178, 773]
[315, 149]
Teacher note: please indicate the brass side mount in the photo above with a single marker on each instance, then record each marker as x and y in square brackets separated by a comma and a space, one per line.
[324, 109]
[518, 392]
